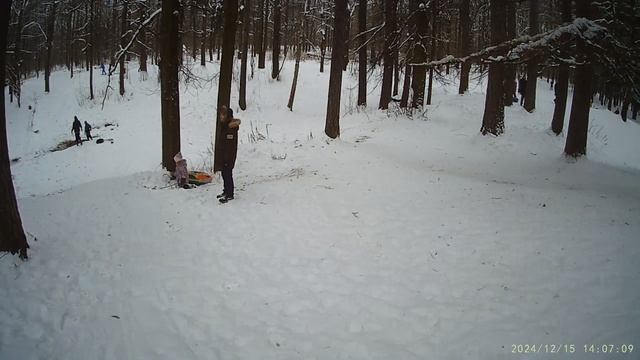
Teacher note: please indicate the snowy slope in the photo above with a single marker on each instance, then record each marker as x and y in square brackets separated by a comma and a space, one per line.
[406, 238]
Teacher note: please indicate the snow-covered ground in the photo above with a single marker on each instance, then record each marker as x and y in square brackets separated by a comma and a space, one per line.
[408, 238]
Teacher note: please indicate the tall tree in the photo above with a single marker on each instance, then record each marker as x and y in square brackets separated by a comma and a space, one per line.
[435, 8]
[390, 43]
[230, 11]
[294, 84]
[493, 118]
[576, 144]
[362, 53]
[562, 84]
[532, 64]
[464, 44]
[12, 237]
[420, 55]
[262, 24]
[90, 45]
[510, 69]
[169, 83]
[244, 53]
[51, 20]
[123, 43]
[332, 124]
[142, 46]
[203, 34]
[275, 56]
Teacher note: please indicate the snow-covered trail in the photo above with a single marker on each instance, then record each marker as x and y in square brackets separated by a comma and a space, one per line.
[405, 239]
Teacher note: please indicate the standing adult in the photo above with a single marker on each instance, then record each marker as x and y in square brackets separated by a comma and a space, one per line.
[522, 88]
[76, 128]
[229, 151]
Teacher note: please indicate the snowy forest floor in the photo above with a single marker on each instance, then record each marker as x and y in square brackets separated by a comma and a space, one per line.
[407, 238]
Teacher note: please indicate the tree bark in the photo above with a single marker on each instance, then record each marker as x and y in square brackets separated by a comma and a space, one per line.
[362, 53]
[12, 237]
[576, 144]
[275, 58]
[142, 48]
[332, 124]
[434, 33]
[562, 84]
[246, 16]
[532, 65]
[203, 35]
[510, 69]
[493, 118]
[420, 56]
[294, 83]
[169, 83]
[390, 19]
[90, 48]
[464, 45]
[123, 44]
[230, 12]
[51, 20]
[264, 19]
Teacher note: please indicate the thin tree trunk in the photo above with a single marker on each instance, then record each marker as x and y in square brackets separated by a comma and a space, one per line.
[203, 36]
[51, 19]
[390, 9]
[169, 83]
[90, 47]
[510, 70]
[493, 118]
[420, 56]
[275, 58]
[434, 33]
[123, 44]
[294, 83]
[362, 53]
[464, 43]
[12, 237]
[142, 38]
[264, 10]
[246, 16]
[230, 12]
[532, 65]
[562, 84]
[332, 124]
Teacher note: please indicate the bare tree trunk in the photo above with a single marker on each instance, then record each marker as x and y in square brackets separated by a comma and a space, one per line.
[362, 53]
[562, 84]
[576, 144]
[532, 65]
[434, 33]
[203, 35]
[275, 58]
[510, 70]
[332, 124]
[51, 19]
[142, 38]
[493, 118]
[230, 12]
[169, 83]
[464, 45]
[12, 237]
[246, 16]
[194, 42]
[323, 46]
[390, 9]
[263, 21]
[294, 83]
[123, 44]
[420, 56]
[90, 47]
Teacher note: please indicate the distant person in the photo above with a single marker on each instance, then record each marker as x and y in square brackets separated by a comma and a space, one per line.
[104, 72]
[76, 128]
[229, 150]
[87, 131]
[522, 89]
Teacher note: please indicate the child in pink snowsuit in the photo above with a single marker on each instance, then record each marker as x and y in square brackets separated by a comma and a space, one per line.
[182, 174]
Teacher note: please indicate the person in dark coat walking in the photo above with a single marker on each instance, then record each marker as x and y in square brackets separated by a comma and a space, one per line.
[229, 150]
[522, 89]
[87, 131]
[76, 128]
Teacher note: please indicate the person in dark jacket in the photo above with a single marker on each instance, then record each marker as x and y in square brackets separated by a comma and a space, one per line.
[522, 89]
[229, 150]
[87, 131]
[76, 128]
